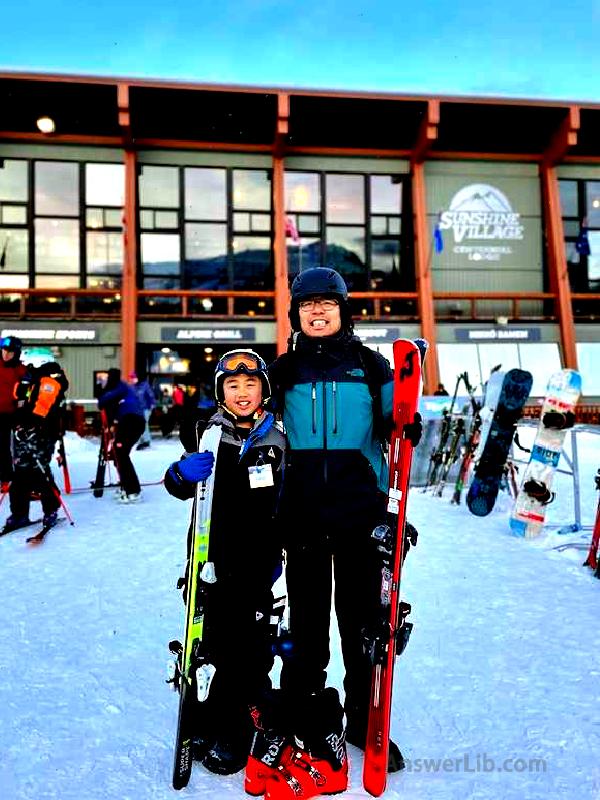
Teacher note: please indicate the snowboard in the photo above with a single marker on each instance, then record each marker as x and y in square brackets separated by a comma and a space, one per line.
[535, 492]
[390, 630]
[193, 671]
[485, 485]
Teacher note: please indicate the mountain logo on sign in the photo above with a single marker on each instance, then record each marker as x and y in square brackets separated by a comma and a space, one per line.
[480, 211]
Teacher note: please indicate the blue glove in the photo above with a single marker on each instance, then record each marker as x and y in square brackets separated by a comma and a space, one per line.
[196, 467]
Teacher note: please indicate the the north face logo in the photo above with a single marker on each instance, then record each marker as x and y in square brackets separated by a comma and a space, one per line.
[355, 373]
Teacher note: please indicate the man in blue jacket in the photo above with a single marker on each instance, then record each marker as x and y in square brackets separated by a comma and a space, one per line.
[123, 410]
[335, 396]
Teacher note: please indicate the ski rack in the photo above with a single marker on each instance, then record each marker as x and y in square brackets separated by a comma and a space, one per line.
[573, 470]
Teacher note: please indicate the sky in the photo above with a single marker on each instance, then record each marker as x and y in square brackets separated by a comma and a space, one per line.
[544, 49]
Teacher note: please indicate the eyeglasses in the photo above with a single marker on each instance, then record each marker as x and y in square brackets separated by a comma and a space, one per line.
[327, 304]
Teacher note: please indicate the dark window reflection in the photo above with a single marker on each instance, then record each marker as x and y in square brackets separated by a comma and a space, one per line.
[252, 267]
[346, 253]
[206, 256]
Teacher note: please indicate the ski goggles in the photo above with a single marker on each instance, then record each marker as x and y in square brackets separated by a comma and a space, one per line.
[235, 362]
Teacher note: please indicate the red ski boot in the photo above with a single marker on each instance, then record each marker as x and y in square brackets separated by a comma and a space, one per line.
[305, 776]
[319, 763]
[271, 746]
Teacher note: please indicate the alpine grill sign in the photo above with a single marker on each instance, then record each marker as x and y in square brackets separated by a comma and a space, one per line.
[481, 213]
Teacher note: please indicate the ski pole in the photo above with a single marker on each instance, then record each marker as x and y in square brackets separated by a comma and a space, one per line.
[55, 491]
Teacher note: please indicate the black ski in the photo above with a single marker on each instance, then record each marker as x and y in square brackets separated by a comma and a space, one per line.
[104, 455]
[5, 531]
[41, 535]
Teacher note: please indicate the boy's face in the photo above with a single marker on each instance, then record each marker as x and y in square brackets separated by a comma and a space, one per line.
[242, 393]
[7, 354]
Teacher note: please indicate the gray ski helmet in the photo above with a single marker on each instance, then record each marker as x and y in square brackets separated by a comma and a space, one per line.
[241, 361]
[321, 281]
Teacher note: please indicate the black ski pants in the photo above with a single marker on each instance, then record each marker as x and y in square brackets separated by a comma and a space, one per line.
[129, 430]
[347, 552]
[32, 473]
[6, 459]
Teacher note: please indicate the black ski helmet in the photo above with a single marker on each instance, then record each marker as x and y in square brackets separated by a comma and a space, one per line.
[324, 282]
[13, 344]
[246, 361]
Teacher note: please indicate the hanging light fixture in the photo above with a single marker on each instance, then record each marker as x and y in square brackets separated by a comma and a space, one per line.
[46, 124]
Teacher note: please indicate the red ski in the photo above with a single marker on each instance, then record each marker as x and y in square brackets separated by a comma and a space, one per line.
[391, 629]
[592, 557]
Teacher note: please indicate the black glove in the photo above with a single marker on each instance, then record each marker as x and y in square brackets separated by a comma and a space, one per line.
[414, 430]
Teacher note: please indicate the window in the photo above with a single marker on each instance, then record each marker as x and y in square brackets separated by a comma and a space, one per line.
[14, 233]
[580, 204]
[360, 232]
[104, 201]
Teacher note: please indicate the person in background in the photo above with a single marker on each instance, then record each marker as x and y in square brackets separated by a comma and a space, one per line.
[39, 395]
[124, 410]
[245, 549]
[177, 408]
[11, 372]
[441, 391]
[145, 395]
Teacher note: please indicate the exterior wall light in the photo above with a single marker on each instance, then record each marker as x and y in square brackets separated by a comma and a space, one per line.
[46, 124]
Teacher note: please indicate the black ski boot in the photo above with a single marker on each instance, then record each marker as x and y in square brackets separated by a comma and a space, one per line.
[14, 522]
[228, 751]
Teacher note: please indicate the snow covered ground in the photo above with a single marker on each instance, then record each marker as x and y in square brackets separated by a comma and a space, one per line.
[497, 695]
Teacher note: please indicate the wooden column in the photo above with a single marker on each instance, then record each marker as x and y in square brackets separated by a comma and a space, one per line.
[423, 245]
[559, 145]
[282, 295]
[557, 264]
[129, 278]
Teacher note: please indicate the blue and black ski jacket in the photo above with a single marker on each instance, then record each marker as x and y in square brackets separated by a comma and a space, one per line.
[335, 398]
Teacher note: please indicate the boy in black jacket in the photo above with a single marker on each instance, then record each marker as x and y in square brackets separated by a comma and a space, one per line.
[246, 552]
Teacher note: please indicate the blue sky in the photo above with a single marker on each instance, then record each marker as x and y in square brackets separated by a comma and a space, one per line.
[526, 48]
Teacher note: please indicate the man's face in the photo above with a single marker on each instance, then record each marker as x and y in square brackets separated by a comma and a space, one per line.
[7, 354]
[320, 316]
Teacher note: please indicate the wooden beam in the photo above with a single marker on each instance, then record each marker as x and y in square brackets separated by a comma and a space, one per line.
[423, 251]
[282, 295]
[428, 131]
[124, 115]
[129, 280]
[564, 138]
[557, 264]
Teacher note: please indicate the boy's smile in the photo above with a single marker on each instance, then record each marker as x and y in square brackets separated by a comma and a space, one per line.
[242, 394]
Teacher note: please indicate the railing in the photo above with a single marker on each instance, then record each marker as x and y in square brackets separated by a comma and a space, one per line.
[63, 304]
[491, 306]
[586, 306]
[71, 304]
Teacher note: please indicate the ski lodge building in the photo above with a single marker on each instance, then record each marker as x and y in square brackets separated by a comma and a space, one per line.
[152, 225]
